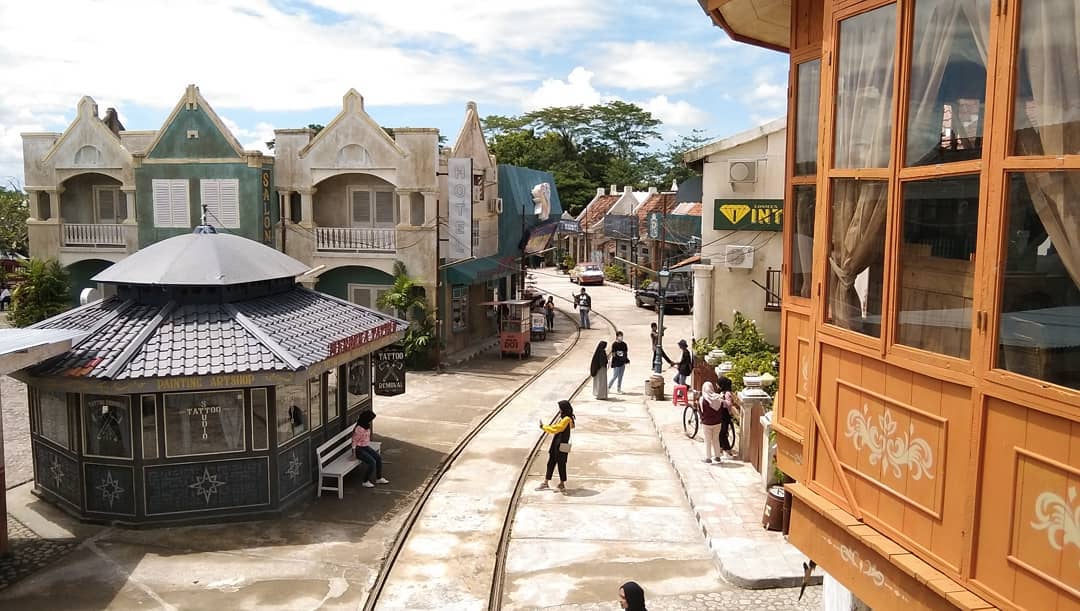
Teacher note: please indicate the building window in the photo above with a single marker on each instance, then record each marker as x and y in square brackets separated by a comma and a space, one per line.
[368, 295]
[371, 207]
[108, 208]
[149, 427]
[52, 417]
[107, 424]
[857, 254]
[333, 411]
[772, 290]
[172, 207]
[865, 89]
[259, 419]
[292, 416]
[221, 196]
[204, 423]
[806, 118]
[476, 234]
[1046, 120]
[315, 401]
[459, 308]
[358, 387]
[804, 206]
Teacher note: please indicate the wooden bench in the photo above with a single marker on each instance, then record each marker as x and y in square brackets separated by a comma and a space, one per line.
[336, 459]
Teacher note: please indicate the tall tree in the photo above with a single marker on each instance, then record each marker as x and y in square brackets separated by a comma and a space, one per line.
[43, 292]
[14, 210]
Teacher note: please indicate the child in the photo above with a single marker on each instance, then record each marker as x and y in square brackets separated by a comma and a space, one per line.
[361, 443]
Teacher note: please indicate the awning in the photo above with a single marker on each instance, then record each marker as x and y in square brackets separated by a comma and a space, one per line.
[539, 238]
[481, 270]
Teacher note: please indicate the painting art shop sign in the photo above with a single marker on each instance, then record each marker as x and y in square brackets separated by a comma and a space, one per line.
[748, 214]
[389, 371]
[357, 340]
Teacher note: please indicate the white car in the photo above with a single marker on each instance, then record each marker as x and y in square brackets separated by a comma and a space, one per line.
[587, 273]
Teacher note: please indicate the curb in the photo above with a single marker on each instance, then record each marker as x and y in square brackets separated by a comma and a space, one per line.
[729, 575]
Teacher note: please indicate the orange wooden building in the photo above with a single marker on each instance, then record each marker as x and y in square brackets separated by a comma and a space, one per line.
[930, 386]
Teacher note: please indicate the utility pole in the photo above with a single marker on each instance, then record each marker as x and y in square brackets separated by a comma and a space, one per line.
[438, 284]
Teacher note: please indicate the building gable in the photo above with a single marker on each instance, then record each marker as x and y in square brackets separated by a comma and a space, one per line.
[353, 140]
[87, 144]
[194, 131]
[470, 141]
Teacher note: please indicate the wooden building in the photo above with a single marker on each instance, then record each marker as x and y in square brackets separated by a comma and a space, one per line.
[930, 406]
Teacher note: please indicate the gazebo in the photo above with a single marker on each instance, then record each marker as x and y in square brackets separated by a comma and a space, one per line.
[204, 382]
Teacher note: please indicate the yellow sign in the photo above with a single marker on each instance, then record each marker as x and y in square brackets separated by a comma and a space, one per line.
[748, 214]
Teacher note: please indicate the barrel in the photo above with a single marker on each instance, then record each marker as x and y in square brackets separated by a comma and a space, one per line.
[772, 518]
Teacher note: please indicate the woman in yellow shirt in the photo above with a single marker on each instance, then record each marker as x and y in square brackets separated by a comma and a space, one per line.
[559, 450]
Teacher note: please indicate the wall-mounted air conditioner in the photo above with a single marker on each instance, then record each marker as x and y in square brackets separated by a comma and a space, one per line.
[739, 256]
[495, 205]
[742, 171]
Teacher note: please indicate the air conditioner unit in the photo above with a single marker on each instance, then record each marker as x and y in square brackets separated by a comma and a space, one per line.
[495, 205]
[742, 171]
[739, 256]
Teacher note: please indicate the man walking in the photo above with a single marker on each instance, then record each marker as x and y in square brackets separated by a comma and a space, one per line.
[619, 358]
[584, 304]
[686, 364]
[658, 351]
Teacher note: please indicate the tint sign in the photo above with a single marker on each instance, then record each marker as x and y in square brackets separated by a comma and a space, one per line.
[748, 214]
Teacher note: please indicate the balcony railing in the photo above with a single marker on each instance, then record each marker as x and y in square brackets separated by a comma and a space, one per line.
[94, 235]
[355, 239]
[772, 290]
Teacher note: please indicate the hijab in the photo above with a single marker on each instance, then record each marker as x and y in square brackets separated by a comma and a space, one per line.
[365, 418]
[635, 596]
[708, 392]
[599, 358]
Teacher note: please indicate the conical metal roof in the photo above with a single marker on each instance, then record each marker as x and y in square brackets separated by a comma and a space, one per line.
[203, 259]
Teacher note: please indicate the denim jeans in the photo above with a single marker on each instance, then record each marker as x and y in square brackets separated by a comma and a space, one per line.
[584, 318]
[680, 378]
[616, 377]
[372, 459]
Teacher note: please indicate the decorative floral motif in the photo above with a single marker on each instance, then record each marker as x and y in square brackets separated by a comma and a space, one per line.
[57, 471]
[893, 452]
[293, 471]
[1059, 518]
[206, 485]
[866, 567]
[110, 489]
[805, 374]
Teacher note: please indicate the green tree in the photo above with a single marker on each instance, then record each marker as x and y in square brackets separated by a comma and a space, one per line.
[14, 210]
[44, 292]
[406, 298]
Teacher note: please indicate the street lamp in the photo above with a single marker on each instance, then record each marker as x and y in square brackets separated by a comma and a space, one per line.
[663, 277]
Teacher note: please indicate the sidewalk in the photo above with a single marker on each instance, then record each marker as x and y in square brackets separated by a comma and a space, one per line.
[728, 500]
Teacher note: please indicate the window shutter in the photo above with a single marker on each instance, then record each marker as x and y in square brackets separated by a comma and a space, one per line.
[209, 194]
[106, 209]
[229, 203]
[384, 207]
[162, 203]
[360, 296]
[179, 204]
[361, 207]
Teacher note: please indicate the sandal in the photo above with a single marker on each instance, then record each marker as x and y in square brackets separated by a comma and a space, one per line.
[543, 486]
[562, 487]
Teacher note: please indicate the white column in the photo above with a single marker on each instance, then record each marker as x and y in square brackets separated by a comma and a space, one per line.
[129, 205]
[35, 201]
[54, 204]
[307, 214]
[703, 300]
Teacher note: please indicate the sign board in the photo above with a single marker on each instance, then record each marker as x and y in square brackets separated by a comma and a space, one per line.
[366, 336]
[622, 226]
[459, 201]
[567, 226]
[267, 225]
[390, 371]
[678, 228]
[748, 214]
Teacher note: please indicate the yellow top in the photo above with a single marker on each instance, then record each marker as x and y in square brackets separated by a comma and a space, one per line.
[559, 426]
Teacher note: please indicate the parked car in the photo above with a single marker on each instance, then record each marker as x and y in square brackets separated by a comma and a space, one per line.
[587, 273]
[678, 295]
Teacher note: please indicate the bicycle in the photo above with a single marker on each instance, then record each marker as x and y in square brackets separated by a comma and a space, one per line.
[692, 420]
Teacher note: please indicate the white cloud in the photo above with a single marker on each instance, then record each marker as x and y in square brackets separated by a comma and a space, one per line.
[767, 95]
[576, 89]
[679, 113]
[653, 66]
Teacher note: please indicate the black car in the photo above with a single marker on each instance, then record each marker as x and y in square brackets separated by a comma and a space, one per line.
[678, 296]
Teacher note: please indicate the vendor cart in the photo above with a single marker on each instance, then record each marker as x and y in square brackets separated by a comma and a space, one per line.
[539, 326]
[515, 333]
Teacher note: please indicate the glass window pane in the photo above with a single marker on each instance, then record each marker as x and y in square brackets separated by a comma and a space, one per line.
[315, 401]
[259, 419]
[802, 248]
[937, 265]
[149, 427]
[1047, 119]
[53, 422]
[332, 409]
[948, 81]
[865, 89]
[359, 382]
[107, 423]
[292, 418]
[204, 422]
[806, 118]
[1039, 329]
[857, 254]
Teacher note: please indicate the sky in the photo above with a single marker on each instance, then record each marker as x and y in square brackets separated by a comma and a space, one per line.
[266, 64]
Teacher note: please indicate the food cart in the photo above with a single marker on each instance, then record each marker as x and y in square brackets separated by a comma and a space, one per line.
[539, 326]
[515, 333]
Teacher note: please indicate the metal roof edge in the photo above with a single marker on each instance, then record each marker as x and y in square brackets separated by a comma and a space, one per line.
[251, 327]
[729, 142]
[137, 342]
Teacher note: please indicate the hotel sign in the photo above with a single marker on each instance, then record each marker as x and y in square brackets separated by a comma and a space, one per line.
[357, 340]
[748, 214]
[459, 183]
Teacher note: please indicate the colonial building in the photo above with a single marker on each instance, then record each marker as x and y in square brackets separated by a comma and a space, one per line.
[742, 193]
[595, 242]
[930, 377]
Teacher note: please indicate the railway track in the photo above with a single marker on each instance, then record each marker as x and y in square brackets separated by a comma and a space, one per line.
[496, 593]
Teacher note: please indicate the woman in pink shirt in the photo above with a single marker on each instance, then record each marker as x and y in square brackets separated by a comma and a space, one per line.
[361, 444]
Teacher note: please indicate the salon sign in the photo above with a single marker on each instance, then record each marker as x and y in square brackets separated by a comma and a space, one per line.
[748, 214]
[357, 340]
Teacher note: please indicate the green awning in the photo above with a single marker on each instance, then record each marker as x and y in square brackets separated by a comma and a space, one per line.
[481, 270]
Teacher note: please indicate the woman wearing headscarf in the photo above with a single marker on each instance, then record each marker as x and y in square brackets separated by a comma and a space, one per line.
[559, 450]
[361, 444]
[632, 597]
[712, 417]
[598, 371]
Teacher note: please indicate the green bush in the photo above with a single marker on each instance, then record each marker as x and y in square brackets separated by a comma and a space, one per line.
[43, 293]
[744, 346]
[614, 272]
[568, 262]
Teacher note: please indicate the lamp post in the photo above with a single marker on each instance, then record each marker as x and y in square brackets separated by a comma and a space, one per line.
[663, 277]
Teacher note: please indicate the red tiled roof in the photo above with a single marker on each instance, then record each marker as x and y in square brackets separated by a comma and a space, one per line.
[657, 202]
[596, 210]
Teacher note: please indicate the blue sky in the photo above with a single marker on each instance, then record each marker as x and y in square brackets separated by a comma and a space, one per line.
[265, 64]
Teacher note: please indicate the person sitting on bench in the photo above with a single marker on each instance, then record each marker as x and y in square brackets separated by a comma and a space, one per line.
[361, 443]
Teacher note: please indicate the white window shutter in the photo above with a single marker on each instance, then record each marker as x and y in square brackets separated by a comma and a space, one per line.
[229, 203]
[162, 203]
[180, 205]
[361, 207]
[209, 196]
[384, 207]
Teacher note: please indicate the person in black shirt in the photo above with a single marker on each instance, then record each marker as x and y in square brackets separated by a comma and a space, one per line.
[686, 364]
[619, 358]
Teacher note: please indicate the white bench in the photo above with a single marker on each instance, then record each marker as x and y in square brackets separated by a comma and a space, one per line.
[336, 459]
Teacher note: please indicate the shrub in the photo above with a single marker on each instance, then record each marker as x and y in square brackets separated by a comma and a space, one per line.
[44, 292]
[614, 272]
[745, 347]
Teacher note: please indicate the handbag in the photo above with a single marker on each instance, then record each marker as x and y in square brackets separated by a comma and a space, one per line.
[564, 447]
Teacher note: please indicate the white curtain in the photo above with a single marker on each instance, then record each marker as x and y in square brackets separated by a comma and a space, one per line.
[1050, 45]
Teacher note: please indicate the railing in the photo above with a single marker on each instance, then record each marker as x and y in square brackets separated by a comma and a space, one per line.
[772, 290]
[87, 234]
[355, 239]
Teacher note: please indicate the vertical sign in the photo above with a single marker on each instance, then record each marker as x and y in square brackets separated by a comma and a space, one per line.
[459, 183]
[390, 371]
[267, 233]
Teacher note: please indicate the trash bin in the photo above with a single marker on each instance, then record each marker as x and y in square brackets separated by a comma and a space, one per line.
[656, 387]
[773, 516]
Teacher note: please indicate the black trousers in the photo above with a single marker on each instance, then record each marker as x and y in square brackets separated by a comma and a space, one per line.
[557, 458]
[726, 426]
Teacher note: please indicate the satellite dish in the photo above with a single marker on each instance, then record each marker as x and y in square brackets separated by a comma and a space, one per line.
[89, 294]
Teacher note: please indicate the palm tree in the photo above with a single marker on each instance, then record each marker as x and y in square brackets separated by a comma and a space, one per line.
[44, 292]
[407, 299]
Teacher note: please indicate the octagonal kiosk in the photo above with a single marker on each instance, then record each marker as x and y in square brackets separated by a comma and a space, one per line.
[202, 386]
